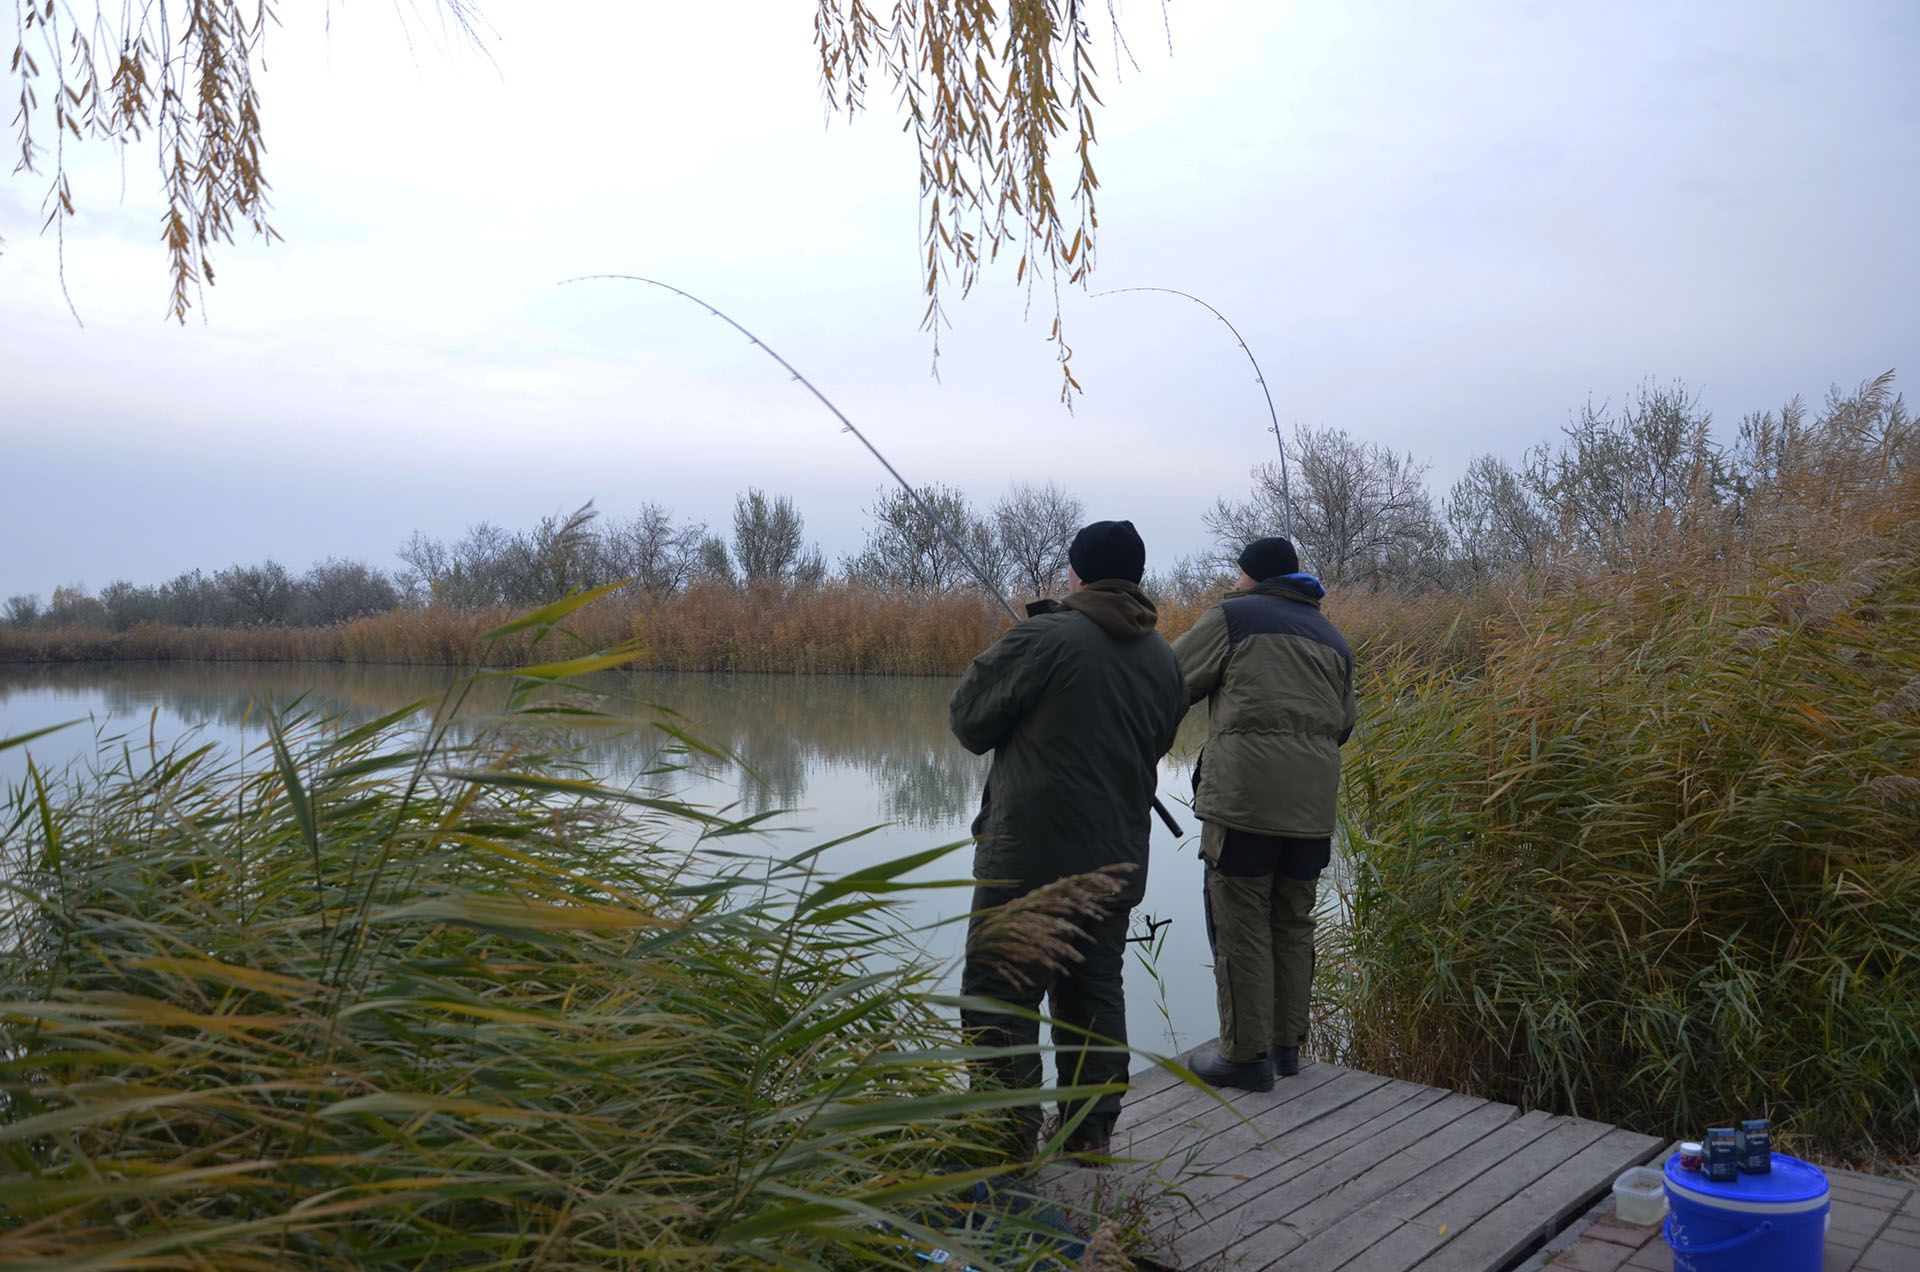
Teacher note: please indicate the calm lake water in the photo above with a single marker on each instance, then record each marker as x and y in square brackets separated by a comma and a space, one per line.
[836, 756]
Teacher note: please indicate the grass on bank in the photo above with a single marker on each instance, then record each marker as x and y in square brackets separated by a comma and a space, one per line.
[1658, 862]
[371, 998]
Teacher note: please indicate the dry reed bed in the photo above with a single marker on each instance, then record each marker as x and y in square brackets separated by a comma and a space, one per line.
[832, 630]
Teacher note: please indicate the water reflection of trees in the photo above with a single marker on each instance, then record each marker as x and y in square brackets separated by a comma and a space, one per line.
[781, 729]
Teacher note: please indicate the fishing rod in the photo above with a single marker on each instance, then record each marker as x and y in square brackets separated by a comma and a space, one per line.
[1286, 497]
[847, 425]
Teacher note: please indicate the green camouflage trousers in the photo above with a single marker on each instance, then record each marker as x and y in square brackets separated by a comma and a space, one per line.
[1261, 931]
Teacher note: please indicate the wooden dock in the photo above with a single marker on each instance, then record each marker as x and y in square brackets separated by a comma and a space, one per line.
[1336, 1170]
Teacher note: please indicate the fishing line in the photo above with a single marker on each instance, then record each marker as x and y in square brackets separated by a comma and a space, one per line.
[1286, 497]
[847, 425]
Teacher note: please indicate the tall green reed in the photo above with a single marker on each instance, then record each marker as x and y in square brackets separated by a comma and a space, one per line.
[1659, 861]
[401, 995]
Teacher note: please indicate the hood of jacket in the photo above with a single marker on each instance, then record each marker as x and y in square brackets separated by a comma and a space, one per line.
[1293, 587]
[1123, 611]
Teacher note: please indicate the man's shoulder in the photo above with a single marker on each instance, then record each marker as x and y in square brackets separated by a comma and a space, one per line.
[1050, 621]
[1263, 614]
[1043, 631]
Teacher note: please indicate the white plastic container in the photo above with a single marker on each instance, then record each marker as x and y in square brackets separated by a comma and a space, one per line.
[1640, 1196]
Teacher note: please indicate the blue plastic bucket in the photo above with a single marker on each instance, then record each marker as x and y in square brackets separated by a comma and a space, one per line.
[1776, 1221]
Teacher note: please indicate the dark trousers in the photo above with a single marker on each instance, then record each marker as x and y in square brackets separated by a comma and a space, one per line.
[1088, 997]
[1259, 894]
[1261, 931]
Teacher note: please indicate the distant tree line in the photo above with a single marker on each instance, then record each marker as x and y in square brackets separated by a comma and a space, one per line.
[1617, 483]
[239, 596]
[1020, 542]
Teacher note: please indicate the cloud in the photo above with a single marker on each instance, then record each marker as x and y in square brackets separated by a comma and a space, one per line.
[1438, 228]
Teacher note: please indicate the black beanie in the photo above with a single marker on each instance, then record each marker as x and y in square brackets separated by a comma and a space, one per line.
[1108, 550]
[1265, 559]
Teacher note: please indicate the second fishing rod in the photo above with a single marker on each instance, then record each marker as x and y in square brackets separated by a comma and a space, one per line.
[926, 510]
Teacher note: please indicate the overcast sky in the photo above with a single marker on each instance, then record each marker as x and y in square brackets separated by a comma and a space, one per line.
[1440, 227]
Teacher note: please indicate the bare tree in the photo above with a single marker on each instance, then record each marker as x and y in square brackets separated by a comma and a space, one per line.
[1362, 513]
[257, 594]
[1496, 522]
[428, 564]
[1615, 478]
[911, 545]
[768, 544]
[128, 605]
[992, 565]
[561, 556]
[1190, 580]
[336, 591]
[484, 567]
[1035, 526]
[716, 563]
[191, 599]
[660, 556]
[23, 611]
[810, 570]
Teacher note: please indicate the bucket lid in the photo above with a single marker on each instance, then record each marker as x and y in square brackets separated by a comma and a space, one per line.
[1791, 1185]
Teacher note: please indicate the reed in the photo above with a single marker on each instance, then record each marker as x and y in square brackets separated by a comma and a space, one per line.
[837, 629]
[367, 998]
[1654, 860]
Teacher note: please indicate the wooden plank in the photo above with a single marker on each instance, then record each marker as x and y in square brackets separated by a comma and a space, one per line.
[1421, 1174]
[1191, 1104]
[1542, 1207]
[1193, 1167]
[1362, 1173]
[1145, 1084]
[1426, 1230]
[1137, 1107]
[1171, 1107]
[1871, 1185]
[1285, 1150]
[1244, 1210]
[1155, 1105]
[1161, 1176]
[1339, 1170]
[1249, 1124]
[1357, 1172]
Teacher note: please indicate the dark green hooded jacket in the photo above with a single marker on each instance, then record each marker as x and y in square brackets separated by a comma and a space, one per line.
[1077, 706]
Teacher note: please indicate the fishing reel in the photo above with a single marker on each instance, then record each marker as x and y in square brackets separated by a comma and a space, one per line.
[1152, 933]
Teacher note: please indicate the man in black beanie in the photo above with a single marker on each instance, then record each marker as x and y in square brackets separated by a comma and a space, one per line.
[1077, 703]
[1278, 680]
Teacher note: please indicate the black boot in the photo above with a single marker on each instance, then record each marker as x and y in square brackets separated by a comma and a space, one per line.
[1093, 1137]
[1286, 1061]
[1249, 1075]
